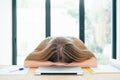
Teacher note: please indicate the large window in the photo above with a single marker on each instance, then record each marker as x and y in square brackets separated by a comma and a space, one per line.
[30, 26]
[64, 18]
[5, 32]
[98, 28]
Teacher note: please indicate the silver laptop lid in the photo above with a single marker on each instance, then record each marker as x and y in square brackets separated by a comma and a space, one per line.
[59, 70]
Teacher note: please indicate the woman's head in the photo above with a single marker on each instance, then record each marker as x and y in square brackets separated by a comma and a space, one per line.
[62, 49]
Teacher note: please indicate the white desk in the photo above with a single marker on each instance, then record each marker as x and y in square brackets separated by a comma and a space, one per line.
[87, 76]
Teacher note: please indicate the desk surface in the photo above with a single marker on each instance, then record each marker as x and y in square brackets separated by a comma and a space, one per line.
[87, 76]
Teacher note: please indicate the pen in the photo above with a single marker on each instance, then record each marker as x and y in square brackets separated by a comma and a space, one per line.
[19, 69]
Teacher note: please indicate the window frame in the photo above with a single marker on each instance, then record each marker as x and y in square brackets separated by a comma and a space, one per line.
[14, 33]
[48, 18]
[114, 38]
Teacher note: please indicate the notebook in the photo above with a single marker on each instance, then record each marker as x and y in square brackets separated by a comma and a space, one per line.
[59, 70]
[104, 69]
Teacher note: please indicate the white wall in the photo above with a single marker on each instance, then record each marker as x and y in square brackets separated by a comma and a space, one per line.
[118, 29]
[5, 32]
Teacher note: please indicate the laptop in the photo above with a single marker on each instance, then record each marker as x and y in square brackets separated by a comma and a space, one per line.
[59, 70]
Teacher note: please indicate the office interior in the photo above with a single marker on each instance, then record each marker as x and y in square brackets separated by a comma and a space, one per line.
[25, 23]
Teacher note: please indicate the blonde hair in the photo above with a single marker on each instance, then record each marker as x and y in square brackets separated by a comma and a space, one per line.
[60, 49]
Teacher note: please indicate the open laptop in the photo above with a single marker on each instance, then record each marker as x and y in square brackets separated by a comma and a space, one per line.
[59, 70]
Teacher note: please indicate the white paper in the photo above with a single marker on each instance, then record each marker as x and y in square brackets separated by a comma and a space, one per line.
[105, 69]
[115, 63]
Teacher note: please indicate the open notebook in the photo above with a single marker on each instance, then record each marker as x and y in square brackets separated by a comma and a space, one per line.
[104, 69]
[58, 70]
[113, 67]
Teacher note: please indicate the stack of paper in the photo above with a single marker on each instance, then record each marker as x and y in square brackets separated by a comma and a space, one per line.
[104, 69]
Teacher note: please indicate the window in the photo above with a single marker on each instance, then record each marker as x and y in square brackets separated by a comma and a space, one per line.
[98, 24]
[65, 18]
[30, 26]
[5, 32]
[118, 29]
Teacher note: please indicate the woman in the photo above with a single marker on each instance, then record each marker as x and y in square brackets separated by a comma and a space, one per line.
[61, 51]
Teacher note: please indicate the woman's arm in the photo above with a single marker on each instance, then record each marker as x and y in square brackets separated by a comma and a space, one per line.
[92, 62]
[33, 63]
